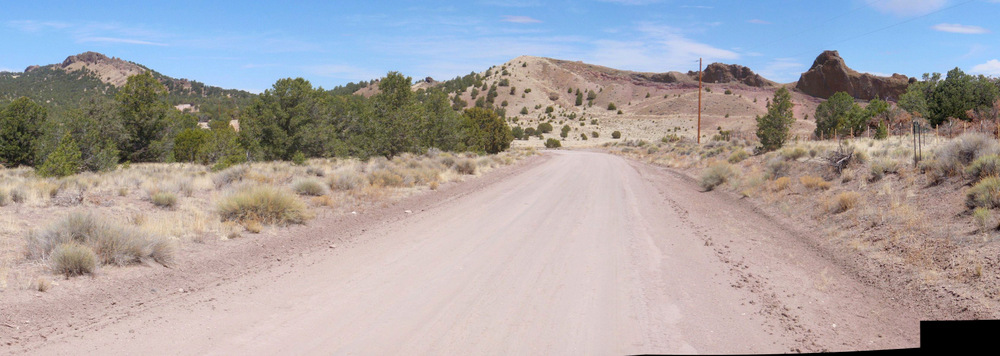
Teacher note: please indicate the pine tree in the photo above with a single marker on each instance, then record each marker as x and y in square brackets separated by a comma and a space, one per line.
[772, 128]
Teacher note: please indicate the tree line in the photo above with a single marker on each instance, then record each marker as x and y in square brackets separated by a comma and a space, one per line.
[292, 120]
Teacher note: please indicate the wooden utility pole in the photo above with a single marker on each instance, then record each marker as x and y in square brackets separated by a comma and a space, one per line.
[699, 100]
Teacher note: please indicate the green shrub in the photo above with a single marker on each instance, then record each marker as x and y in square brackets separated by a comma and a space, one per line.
[985, 193]
[73, 259]
[616, 135]
[544, 127]
[595, 134]
[984, 166]
[466, 166]
[611, 106]
[187, 143]
[773, 127]
[549, 109]
[583, 136]
[164, 199]
[64, 161]
[299, 159]
[738, 156]
[552, 143]
[881, 131]
[310, 187]
[983, 218]
[728, 92]
[264, 204]
[715, 175]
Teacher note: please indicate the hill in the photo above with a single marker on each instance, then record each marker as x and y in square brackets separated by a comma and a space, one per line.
[79, 77]
[829, 74]
[652, 105]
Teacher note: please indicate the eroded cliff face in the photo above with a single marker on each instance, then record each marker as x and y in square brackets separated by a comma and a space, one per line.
[829, 74]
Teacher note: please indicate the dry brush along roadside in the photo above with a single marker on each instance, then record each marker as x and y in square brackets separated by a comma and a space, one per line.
[148, 213]
[928, 232]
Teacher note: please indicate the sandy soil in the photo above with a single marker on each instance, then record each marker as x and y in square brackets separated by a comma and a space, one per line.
[571, 252]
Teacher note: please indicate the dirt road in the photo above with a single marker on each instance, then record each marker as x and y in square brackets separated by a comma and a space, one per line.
[576, 253]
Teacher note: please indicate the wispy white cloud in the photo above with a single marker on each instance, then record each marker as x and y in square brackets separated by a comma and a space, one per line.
[959, 28]
[342, 71]
[632, 2]
[782, 70]
[908, 7]
[758, 22]
[37, 26]
[991, 67]
[657, 48]
[118, 40]
[520, 19]
[512, 3]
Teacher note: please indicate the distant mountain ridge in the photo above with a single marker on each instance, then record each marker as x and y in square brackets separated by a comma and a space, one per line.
[79, 77]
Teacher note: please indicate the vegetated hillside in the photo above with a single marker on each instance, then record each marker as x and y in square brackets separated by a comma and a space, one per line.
[79, 77]
[651, 105]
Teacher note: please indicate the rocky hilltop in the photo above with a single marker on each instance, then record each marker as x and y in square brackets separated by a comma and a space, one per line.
[829, 74]
[731, 73]
[110, 70]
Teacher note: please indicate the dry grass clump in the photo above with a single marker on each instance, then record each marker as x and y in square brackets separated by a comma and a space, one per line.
[265, 204]
[346, 179]
[844, 201]
[985, 166]
[4, 198]
[230, 175]
[985, 193]
[776, 168]
[738, 156]
[814, 182]
[781, 184]
[385, 177]
[73, 259]
[113, 244]
[466, 166]
[880, 167]
[716, 175]
[309, 187]
[963, 150]
[164, 199]
[793, 153]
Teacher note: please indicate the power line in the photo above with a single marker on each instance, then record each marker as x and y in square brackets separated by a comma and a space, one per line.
[885, 28]
[817, 26]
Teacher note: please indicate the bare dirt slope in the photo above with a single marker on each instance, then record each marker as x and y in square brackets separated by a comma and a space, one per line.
[575, 252]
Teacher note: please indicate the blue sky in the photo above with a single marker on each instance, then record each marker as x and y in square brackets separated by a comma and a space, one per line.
[249, 45]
